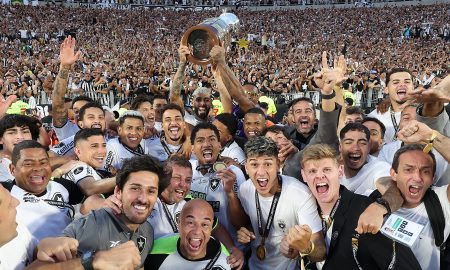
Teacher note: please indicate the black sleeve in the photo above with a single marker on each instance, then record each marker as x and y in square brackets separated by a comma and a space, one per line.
[8, 185]
[75, 194]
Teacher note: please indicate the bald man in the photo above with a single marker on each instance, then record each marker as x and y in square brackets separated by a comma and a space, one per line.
[193, 247]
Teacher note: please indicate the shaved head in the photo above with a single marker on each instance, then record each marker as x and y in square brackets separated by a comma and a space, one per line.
[197, 205]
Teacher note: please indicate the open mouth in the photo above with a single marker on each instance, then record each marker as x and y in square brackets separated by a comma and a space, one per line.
[179, 193]
[207, 154]
[174, 130]
[99, 159]
[96, 126]
[195, 243]
[322, 188]
[414, 190]
[262, 182]
[253, 133]
[354, 158]
[401, 94]
[140, 208]
[133, 139]
[36, 180]
[304, 123]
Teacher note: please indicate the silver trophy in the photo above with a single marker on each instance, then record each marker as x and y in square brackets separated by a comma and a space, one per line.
[204, 36]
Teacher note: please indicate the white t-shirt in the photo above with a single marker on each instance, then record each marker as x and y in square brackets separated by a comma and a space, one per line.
[5, 173]
[211, 189]
[235, 152]
[425, 249]
[64, 147]
[388, 151]
[160, 222]
[18, 253]
[41, 218]
[157, 150]
[386, 119]
[296, 206]
[117, 153]
[66, 131]
[367, 176]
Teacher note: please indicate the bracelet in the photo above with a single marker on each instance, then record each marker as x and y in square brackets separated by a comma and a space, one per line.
[384, 204]
[306, 253]
[429, 145]
[330, 96]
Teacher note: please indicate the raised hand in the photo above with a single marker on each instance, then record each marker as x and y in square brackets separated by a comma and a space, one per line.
[328, 77]
[67, 55]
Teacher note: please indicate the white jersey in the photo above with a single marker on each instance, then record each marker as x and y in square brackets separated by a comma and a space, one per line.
[211, 189]
[235, 152]
[18, 253]
[296, 206]
[158, 126]
[388, 151]
[48, 214]
[367, 176]
[389, 123]
[157, 150]
[425, 249]
[68, 130]
[81, 172]
[117, 153]
[160, 222]
[64, 147]
[5, 172]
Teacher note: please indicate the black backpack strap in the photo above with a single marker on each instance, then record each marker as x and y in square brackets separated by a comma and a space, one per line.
[437, 221]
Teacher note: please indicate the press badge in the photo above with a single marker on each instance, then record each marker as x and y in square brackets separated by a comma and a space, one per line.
[401, 230]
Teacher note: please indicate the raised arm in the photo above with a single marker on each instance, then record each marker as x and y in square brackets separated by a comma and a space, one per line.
[175, 89]
[68, 57]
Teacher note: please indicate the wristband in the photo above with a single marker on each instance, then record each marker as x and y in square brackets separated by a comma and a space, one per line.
[429, 145]
[330, 96]
[384, 203]
[309, 251]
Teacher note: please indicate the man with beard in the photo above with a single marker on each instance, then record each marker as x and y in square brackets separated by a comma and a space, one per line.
[172, 138]
[130, 142]
[201, 105]
[138, 185]
[361, 171]
[254, 123]
[193, 248]
[399, 83]
[212, 180]
[91, 115]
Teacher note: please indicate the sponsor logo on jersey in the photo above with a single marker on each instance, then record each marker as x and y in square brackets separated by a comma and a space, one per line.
[109, 159]
[78, 170]
[64, 148]
[114, 243]
[198, 195]
[30, 198]
[141, 242]
[215, 205]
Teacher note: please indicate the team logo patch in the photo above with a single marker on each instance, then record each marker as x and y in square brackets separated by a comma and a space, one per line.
[214, 184]
[57, 197]
[141, 242]
[78, 170]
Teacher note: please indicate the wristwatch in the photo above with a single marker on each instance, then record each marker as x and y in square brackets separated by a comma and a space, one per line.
[384, 203]
[86, 260]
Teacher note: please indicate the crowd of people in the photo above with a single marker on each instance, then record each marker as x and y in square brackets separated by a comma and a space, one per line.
[146, 161]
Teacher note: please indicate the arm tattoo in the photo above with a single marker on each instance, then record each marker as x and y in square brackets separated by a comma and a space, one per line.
[60, 113]
[177, 81]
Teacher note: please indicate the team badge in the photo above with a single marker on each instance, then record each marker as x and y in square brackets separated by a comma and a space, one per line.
[141, 242]
[214, 183]
[282, 224]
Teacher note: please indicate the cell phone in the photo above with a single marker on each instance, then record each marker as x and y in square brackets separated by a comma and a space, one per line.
[427, 83]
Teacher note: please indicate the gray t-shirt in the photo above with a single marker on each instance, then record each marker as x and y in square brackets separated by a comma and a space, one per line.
[102, 230]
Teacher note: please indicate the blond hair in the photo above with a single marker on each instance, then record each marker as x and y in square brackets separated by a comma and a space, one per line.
[317, 152]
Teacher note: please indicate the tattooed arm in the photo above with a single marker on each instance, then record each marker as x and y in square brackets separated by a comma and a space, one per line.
[175, 89]
[67, 57]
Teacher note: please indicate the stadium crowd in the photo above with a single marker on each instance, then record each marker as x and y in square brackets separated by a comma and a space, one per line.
[274, 156]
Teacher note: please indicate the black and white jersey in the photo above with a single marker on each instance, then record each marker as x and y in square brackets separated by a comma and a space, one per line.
[79, 173]
[88, 89]
[64, 147]
[117, 153]
[46, 214]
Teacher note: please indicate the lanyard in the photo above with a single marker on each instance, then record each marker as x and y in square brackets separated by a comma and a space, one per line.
[172, 222]
[326, 222]
[355, 245]
[213, 260]
[264, 234]
[138, 152]
[394, 122]
[166, 148]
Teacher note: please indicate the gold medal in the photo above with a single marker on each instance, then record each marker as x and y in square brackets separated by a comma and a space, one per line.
[261, 252]
[219, 166]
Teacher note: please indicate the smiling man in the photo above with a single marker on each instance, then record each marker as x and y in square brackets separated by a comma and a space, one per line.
[193, 248]
[361, 171]
[172, 139]
[201, 105]
[399, 83]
